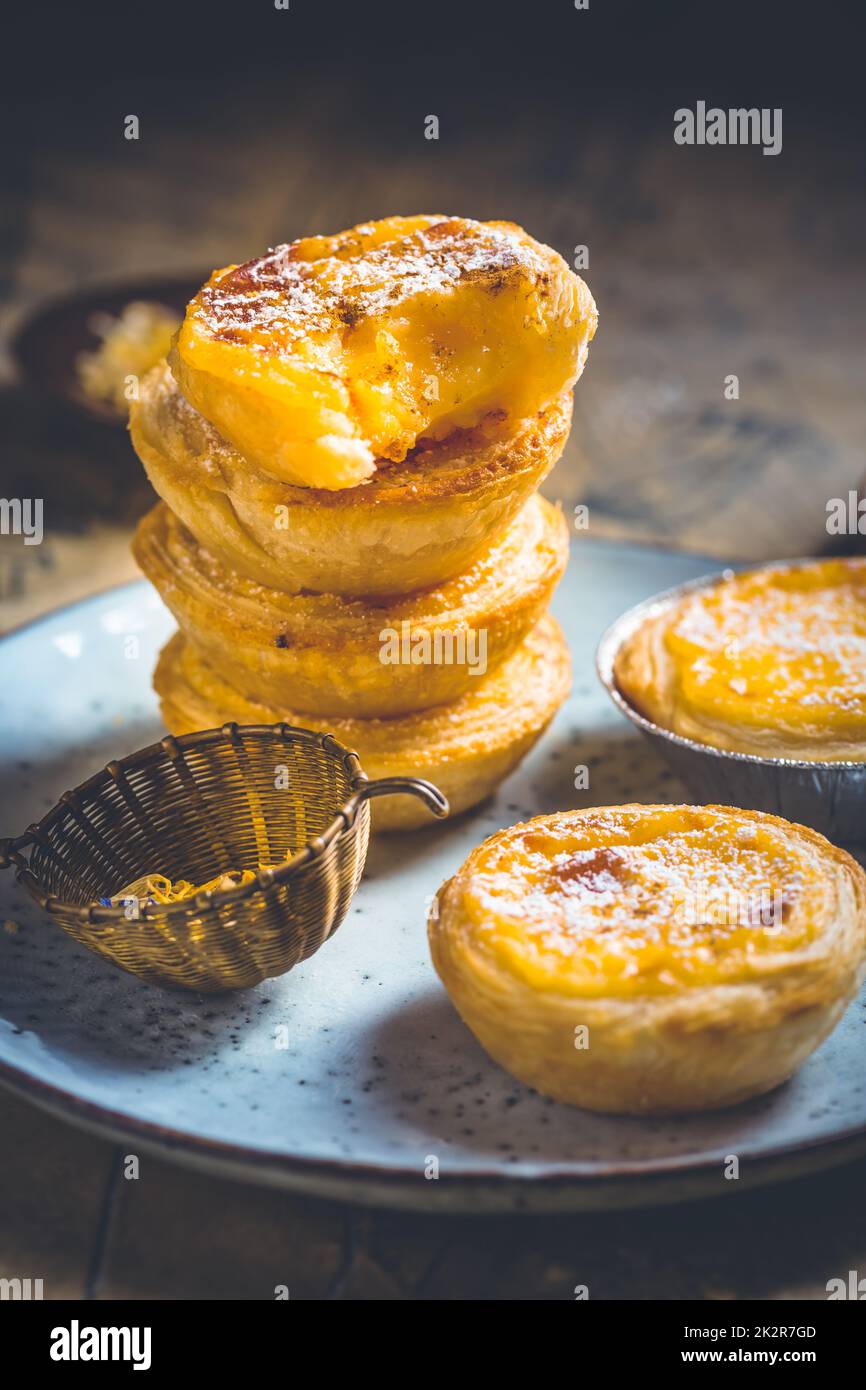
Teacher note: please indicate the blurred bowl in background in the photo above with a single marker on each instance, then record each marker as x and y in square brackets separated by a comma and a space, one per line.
[49, 345]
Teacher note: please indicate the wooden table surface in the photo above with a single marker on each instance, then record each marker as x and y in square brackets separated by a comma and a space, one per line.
[751, 267]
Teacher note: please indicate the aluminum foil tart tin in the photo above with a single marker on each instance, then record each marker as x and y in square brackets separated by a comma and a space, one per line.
[829, 796]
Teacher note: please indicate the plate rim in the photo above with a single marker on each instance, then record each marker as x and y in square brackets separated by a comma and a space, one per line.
[18, 629]
[325, 1177]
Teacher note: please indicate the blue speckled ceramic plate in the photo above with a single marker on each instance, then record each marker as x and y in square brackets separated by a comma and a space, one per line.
[380, 1076]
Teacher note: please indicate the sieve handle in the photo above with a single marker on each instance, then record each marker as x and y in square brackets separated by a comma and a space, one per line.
[389, 786]
[9, 854]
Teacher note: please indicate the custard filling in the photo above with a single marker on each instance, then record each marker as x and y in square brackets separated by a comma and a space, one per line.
[780, 648]
[642, 901]
[332, 352]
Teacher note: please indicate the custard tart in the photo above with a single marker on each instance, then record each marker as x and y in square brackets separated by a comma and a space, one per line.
[770, 662]
[324, 357]
[354, 658]
[413, 525]
[652, 959]
[466, 748]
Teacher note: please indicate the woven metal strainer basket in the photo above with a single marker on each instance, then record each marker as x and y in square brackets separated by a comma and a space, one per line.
[194, 807]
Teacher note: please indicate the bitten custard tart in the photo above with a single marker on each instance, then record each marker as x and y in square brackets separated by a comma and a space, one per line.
[363, 414]
[353, 658]
[770, 662]
[466, 747]
[652, 959]
[323, 357]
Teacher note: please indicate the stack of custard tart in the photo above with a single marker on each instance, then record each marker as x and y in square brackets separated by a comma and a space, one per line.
[347, 436]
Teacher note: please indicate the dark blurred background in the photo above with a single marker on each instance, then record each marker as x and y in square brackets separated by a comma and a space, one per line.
[259, 125]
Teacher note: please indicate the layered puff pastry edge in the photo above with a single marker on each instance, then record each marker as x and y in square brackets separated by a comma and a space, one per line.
[413, 525]
[466, 748]
[352, 658]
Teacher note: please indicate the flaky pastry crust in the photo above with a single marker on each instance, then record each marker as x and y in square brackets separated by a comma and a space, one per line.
[354, 658]
[585, 956]
[466, 748]
[414, 525]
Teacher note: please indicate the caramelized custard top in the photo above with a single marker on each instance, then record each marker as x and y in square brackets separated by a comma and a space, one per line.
[326, 355]
[642, 900]
[781, 647]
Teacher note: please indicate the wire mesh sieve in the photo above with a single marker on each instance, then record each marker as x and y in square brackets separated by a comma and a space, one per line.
[196, 806]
